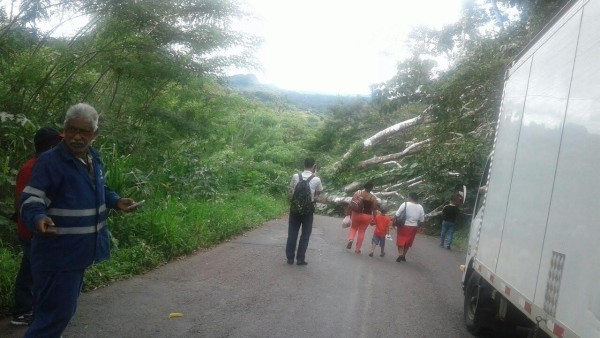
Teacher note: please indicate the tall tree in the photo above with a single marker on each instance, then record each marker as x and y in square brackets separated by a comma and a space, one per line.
[148, 42]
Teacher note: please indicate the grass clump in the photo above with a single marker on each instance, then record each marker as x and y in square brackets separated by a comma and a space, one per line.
[161, 232]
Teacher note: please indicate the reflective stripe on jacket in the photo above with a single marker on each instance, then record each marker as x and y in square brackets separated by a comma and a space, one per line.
[61, 188]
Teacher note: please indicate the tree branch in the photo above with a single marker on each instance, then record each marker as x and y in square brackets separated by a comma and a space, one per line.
[387, 132]
[379, 159]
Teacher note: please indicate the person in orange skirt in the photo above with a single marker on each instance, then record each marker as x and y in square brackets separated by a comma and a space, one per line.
[362, 219]
[406, 233]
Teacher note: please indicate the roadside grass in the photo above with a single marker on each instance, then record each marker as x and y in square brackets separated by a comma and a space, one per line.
[9, 265]
[161, 232]
[460, 239]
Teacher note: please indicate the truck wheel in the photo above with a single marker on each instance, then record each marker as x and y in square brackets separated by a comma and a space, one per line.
[478, 305]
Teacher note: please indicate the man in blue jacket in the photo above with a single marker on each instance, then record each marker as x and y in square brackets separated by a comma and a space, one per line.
[66, 206]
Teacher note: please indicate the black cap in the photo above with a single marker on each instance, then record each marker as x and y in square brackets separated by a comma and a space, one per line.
[45, 139]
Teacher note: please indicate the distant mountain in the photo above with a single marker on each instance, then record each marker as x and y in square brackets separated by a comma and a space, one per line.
[282, 99]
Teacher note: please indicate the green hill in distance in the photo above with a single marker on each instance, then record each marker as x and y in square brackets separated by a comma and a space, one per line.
[287, 100]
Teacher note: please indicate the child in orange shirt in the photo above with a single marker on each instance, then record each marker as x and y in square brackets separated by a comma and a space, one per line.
[382, 230]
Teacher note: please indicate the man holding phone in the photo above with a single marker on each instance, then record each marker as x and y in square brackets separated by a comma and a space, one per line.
[65, 205]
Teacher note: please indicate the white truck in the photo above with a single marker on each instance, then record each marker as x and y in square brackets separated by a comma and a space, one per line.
[533, 258]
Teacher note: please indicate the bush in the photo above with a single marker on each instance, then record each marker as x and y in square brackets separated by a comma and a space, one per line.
[9, 265]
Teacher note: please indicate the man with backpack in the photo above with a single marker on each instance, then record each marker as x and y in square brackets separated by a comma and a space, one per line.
[303, 189]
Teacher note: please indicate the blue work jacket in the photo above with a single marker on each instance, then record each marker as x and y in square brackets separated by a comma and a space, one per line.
[77, 201]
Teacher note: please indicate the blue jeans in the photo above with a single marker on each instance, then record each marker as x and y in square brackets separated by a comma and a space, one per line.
[379, 241]
[447, 227]
[295, 223]
[24, 282]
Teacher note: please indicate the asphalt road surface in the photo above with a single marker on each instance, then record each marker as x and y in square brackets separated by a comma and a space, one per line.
[245, 288]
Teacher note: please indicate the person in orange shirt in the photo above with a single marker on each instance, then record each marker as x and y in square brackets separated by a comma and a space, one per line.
[44, 139]
[382, 230]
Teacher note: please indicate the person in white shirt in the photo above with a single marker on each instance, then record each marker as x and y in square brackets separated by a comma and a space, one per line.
[302, 219]
[406, 233]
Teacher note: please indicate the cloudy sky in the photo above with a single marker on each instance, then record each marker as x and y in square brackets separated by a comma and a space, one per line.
[334, 46]
[339, 46]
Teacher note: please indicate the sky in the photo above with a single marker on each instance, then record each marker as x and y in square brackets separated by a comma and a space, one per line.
[339, 47]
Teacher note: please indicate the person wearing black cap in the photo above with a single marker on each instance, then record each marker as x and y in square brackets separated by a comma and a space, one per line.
[44, 139]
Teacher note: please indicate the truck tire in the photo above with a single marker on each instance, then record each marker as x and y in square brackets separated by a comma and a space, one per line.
[478, 305]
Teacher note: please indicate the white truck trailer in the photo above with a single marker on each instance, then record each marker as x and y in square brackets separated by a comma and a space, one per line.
[533, 257]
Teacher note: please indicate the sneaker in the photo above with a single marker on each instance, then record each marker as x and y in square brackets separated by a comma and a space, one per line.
[448, 247]
[399, 259]
[371, 254]
[22, 320]
[302, 263]
[349, 245]
[290, 261]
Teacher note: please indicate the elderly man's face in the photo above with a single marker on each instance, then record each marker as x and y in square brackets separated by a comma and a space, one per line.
[79, 134]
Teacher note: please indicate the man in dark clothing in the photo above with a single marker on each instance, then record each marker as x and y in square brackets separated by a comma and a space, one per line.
[450, 214]
[65, 205]
[304, 219]
[44, 139]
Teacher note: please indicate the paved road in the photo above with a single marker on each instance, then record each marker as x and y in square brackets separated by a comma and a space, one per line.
[245, 288]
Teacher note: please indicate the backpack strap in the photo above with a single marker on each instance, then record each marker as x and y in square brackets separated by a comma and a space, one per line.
[300, 179]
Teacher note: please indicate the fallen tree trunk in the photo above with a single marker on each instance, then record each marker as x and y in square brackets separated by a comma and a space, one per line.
[384, 134]
[398, 185]
[387, 132]
[345, 200]
[413, 148]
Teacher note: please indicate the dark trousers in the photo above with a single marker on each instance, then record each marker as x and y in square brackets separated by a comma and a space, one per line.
[295, 223]
[24, 282]
[56, 294]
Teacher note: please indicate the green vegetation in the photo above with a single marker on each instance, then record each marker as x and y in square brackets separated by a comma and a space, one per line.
[212, 163]
[171, 228]
[456, 109]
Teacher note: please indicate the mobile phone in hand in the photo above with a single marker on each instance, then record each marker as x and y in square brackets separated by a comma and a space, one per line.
[137, 204]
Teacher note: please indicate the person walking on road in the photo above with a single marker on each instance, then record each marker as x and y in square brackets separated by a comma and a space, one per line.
[449, 215]
[406, 233]
[65, 205]
[304, 187]
[382, 231]
[361, 216]
[43, 140]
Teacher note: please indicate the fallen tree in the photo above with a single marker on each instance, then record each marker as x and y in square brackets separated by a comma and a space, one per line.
[384, 134]
[413, 148]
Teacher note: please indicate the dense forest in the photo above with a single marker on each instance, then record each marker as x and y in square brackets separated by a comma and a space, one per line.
[212, 161]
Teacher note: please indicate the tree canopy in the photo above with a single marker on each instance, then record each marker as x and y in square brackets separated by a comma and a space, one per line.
[427, 128]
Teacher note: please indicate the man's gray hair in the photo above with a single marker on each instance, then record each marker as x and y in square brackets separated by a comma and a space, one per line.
[85, 111]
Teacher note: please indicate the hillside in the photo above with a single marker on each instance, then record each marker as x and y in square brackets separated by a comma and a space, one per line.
[285, 100]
